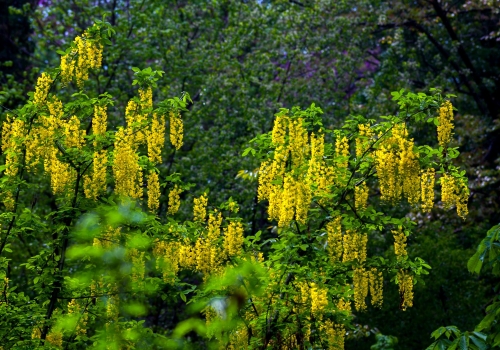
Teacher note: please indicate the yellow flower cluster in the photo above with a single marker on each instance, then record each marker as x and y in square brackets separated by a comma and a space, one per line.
[233, 238]
[174, 200]
[360, 282]
[427, 188]
[455, 192]
[361, 196]
[334, 237]
[153, 191]
[405, 281]
[176, 130]
[335, 334]
[73, 136]
[99, 122]
[42, 89]
[13, 133]
[146, 97]
[319, 173]
[397, 167]
[354, 244]
[95, 185]
[319, 299]
[62, 176]
[213, 226]
[112, 310]
[135, 123]
[207, 256]
[342, 150]
[9, 201]
[399, 243]
[363, 140]
[376, 287]
[138, 267]
[445, 126]
[126, 170]
[344, 305]
[200, 208]
[75, 308]
[156, 138]
[169, 257]
[89, 55]
[55, 338]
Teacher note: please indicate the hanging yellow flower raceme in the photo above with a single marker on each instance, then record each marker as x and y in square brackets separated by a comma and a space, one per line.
[75, 309]
[146, 97]
[156, 138]
[99, 122]
[334, 236]
[319, 299]
[360, 282]
[62, 176]
[399, 243]
[397, 167]
[174, 200]
[361, 196]
[405, 281]
[363, 141]
[427, 189]
[42, 89]
[89, 55]
[454, 191]
[200, 208]
[95, 185]
[342, 150]
[153, 191]
[335, 334]
[13, 134]
[445, 126]
[136, 123]
[233, 238]
[126, 170]
[354, 245]
[74, 137]
[176, 130]
[376, 282]
[298, 139]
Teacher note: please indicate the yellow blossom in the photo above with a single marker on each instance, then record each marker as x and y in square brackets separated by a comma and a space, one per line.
[405, 281]
[95, 185]
[360, 282]
[342, 150]
[335, 334]
[153, 191]
[361, 196]
[233, 238]
[318, 299]
[445, 126]
[399, 243]
[74, 137]
[200, 208]
[363, 140]
[427, 189]
[376, 281]
[42, 89]
[99, 122]
[146, 97]
[334, 236]
[126, 170]
[174, 200]
[156, 138]
[176, 130]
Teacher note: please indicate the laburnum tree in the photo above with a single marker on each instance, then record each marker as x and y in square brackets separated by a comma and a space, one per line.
[103, 252]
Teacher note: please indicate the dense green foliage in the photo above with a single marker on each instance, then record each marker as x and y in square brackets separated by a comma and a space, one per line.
[241, 62]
